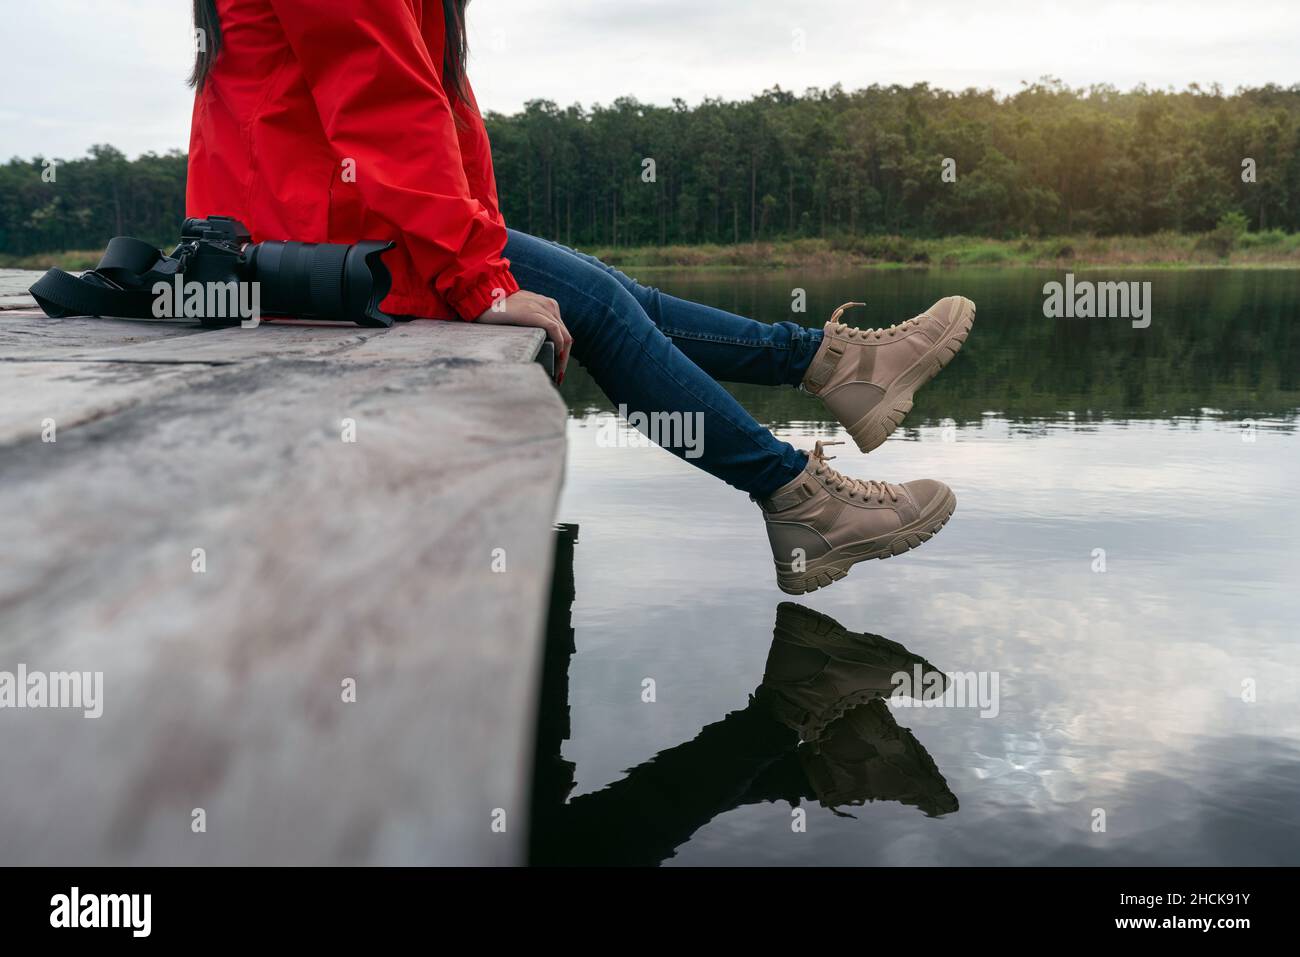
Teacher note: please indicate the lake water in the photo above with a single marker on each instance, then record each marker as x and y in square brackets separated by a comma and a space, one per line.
[1121, 579]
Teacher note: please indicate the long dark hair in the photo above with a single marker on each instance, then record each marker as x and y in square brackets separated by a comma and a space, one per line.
[455, 50]
[207, 39]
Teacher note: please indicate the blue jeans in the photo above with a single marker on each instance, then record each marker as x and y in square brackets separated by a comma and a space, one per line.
[654, 353]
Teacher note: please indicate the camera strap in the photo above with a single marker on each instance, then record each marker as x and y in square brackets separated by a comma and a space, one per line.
[120, 286]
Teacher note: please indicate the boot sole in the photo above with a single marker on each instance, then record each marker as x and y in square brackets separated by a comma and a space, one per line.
[835, 564]
[872, 429]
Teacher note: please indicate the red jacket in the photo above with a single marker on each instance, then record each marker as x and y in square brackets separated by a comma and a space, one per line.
[326, 121]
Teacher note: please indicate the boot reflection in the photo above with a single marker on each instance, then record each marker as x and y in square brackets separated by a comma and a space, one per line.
[817, 670]
[815, 729]
[829, 684]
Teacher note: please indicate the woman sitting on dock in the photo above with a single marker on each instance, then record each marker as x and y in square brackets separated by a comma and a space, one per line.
[332, 121]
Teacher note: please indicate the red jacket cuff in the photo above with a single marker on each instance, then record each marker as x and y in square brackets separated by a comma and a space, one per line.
[474, 299]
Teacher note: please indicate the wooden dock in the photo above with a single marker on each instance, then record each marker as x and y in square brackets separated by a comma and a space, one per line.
[244, 530]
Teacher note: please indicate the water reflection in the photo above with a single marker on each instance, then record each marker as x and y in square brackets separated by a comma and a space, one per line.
[1221, 344]
[1124, 555]
[817, 728]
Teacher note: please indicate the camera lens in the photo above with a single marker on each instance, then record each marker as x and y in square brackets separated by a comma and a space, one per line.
[329, 281]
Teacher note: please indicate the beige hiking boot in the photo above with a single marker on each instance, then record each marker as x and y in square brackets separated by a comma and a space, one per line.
[867, 377]
[822, 523]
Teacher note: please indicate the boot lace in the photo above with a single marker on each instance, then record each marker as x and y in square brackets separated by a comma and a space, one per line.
[872, 335]
[856, 488]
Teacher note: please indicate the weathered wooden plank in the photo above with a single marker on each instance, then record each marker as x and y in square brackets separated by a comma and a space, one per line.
[37, 399]
[326, 560]
[14, 284]
[416, 342]
[29, 334]
[425, 340]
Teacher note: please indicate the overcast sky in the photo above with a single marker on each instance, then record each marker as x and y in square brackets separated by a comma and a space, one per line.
[77, 72]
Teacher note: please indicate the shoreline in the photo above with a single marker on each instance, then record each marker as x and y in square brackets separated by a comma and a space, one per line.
[1160, 251]
[1216, 250]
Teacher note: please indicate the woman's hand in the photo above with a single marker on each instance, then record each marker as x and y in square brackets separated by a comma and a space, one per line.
[541, 312]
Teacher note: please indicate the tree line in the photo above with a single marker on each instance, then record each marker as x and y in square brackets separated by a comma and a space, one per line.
[915, 160]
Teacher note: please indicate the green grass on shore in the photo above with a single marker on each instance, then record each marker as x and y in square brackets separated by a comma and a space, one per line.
[1272, 248]
[1218, 248]
[73, 260]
